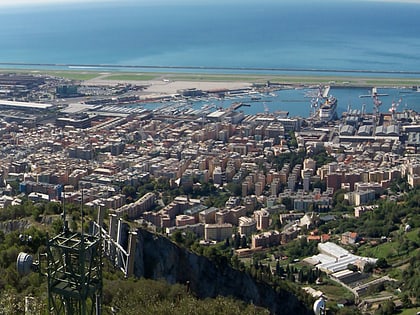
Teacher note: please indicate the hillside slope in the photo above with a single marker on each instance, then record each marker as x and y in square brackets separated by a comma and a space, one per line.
[159, 258]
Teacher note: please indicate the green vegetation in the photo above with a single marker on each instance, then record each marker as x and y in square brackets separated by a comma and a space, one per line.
[291, 158]
[333, 291]
[216, 78]
[13, 288]
[300, 248]
[347, 80]
[263, 78]
[67, 74]
[411, 277]
[132, 296]
[392, 216]
[74, 75]
[132, 77]
[162, 186]
[157, 297]
[126, 296]
[385, 250]
[321, 157]
[410, 311]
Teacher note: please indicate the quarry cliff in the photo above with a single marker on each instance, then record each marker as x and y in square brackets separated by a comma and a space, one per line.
[157, 257]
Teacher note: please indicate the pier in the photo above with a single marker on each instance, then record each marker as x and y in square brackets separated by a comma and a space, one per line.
[238, 105]
[374, 93]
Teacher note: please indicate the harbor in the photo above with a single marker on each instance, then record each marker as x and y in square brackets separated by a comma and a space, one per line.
[295, 101]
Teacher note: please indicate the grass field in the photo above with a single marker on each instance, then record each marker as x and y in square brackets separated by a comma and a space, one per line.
[73, 75]
[390, 250]
[132, 77]
[413, 235]
[334, 292]
[284, 79]
[70, 74]
[217, 78]
[385, 250]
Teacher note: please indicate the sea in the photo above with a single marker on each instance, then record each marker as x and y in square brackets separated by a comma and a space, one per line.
[292, 37]
[296, 102]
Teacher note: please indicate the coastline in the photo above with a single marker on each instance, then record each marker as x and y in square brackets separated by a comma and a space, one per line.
[160, 83]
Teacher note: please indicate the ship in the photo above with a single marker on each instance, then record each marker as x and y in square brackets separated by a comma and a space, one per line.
[324, 107]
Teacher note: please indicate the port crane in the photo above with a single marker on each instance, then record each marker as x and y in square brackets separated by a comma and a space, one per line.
[315, 102]
[393, 109]
[376, 104]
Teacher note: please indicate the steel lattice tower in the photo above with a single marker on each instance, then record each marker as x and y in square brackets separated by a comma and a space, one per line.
[74, 274]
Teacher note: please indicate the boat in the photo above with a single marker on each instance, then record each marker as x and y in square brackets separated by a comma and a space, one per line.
[325, 106]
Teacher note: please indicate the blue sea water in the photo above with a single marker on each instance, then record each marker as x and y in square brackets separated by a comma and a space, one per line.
[297, 101]
[270, 34]
[343, 35]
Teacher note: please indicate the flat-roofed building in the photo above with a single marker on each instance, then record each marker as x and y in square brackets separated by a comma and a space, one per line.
[135, 209]
[217, 232]
[182, 220]
[208, 215]
[247, 226]
[365, 130]
[266, 239]
[24, 105]
[262, 218]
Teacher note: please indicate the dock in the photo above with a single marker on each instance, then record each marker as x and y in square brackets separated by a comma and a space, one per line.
[238, 105]
[373, 93]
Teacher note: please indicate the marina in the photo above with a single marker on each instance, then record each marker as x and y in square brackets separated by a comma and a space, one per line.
[294, 101]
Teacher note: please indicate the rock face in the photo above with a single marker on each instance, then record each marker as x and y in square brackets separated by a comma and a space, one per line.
[159, 258]
[14, 225]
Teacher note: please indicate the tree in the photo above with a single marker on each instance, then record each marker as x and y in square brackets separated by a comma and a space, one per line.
[57, 226]
[406, 301]
[288, 203]
[129, 191]
[300, 276]
[236, 240]
[348, 311]
[352, 267]
[227, 242]
[311, 276]
[73, 225]
[338, 196]
[278, 268]
[293, 142]
[244, 243]
[235, 189]
[387, 308]
[368, 268]
[382, 263]
[178, 237]
[321, 184]
[53, 208]
[235, 261]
